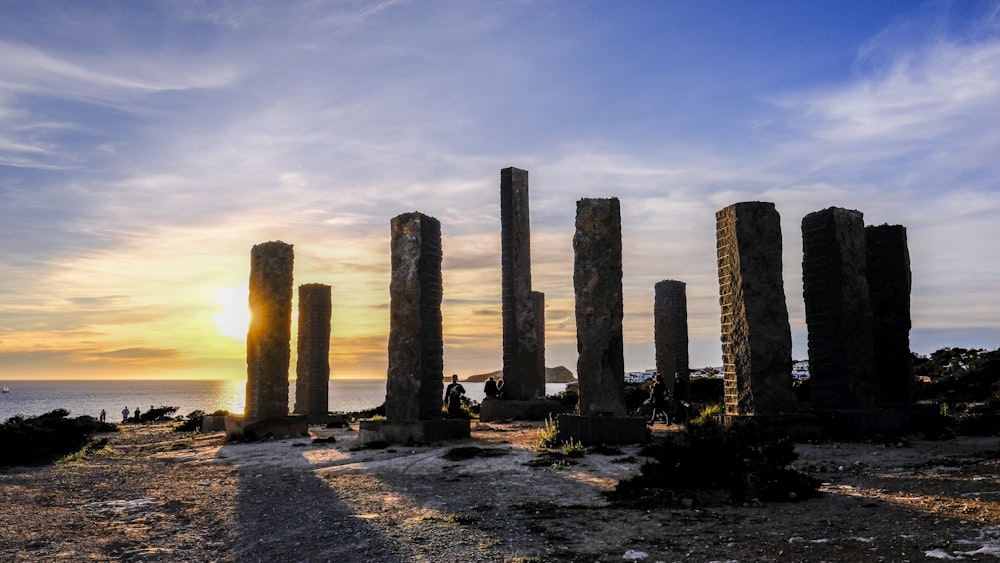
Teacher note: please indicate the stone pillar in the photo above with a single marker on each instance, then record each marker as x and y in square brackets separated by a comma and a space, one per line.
[520, 344]
[538, 305]
[414, 385]
[756, 336]
[312, 371]
[597, 284]
[888, 273]
[670, 335]
[269, 336]
[838, 311]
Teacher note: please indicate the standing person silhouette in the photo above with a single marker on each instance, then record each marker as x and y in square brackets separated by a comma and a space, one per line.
[124, 415]
[658, 395]
[453, 397]
[490, 389]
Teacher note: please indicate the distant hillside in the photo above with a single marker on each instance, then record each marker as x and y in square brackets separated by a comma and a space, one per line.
[484, 376]
[557, 374]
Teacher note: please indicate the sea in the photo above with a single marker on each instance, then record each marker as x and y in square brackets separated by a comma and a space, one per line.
[79, 397]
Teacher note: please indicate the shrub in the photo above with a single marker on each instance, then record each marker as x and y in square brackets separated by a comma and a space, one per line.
[548, 437]
[573, 448]
[46, 438]
[743, 459]
[192, 423]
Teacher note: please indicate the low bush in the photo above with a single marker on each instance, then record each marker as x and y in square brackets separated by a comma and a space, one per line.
[43, 439]
[744, 460]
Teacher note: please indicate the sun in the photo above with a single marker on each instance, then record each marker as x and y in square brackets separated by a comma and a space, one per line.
[233, 319]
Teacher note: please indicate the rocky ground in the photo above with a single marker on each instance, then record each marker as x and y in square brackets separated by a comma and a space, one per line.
[157, 495]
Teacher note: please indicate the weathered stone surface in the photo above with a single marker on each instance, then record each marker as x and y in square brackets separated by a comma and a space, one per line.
[521, 346]
[506, 409]
[889, 282]
[838, 310]
[246, 428]
[756, 336]
[312, 370]
[414, 383]
[538, 304]
[591, 430]
[670, 336]
[269, 335]
[413, 431]
[597, 284]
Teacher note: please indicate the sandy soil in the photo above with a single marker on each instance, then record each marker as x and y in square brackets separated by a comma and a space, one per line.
[157, 495]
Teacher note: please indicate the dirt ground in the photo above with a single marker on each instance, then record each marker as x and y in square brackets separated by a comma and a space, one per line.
[157, 495]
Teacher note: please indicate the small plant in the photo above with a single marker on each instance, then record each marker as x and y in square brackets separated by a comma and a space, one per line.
[486, 544]
[708, 415]
[573, 448]
[378, 417]
[463, 519]
[548, 437]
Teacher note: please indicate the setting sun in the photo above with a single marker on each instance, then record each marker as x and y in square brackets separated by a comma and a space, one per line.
[234, 317]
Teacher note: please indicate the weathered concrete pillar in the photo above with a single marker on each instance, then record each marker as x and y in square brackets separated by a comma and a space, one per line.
[597, 284]
[414, 386]
[670, 336]
[520, 334]
[269, 335]
[538, 304]
[838, 311]
[312, 371]
[756, 336]
[889, 281]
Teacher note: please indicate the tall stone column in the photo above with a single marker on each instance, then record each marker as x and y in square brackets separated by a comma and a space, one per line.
[756, 336]
[670, 336]
[889, 281]
[597, 284]
[269, 335]
[520, 335]
[538, 304]
[414, 385]
[838, 310]
[312, 371]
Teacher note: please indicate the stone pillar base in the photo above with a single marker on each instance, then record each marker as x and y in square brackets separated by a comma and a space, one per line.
[213, 423]
[797, 426]
[493, 410]
[242, 428]
[860, 423]
[413, 431]
[603, 429]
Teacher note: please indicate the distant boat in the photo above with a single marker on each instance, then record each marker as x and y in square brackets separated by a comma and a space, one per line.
[5, 388]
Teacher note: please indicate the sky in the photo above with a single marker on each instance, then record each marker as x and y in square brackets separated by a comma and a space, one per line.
[145, 147]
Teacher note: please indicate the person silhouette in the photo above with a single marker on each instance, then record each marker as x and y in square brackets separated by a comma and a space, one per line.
[490, 389]
[453, 397]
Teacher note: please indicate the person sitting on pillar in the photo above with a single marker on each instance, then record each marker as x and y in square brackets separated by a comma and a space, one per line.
[453, 397]
[658, 396]
[500, 393]
[490, 389]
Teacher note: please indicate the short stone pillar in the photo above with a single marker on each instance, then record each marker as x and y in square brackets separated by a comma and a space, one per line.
[269, 335]
[597, 285]
[312, 371]
[889, 281]
[520, 324]
[838, 310]
[414, 383]
[670, 336]
[756, 336]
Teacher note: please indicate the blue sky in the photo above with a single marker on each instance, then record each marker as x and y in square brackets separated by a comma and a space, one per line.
[146, 146]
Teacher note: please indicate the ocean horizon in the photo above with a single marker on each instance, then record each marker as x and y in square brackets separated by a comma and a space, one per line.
[89, 397]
